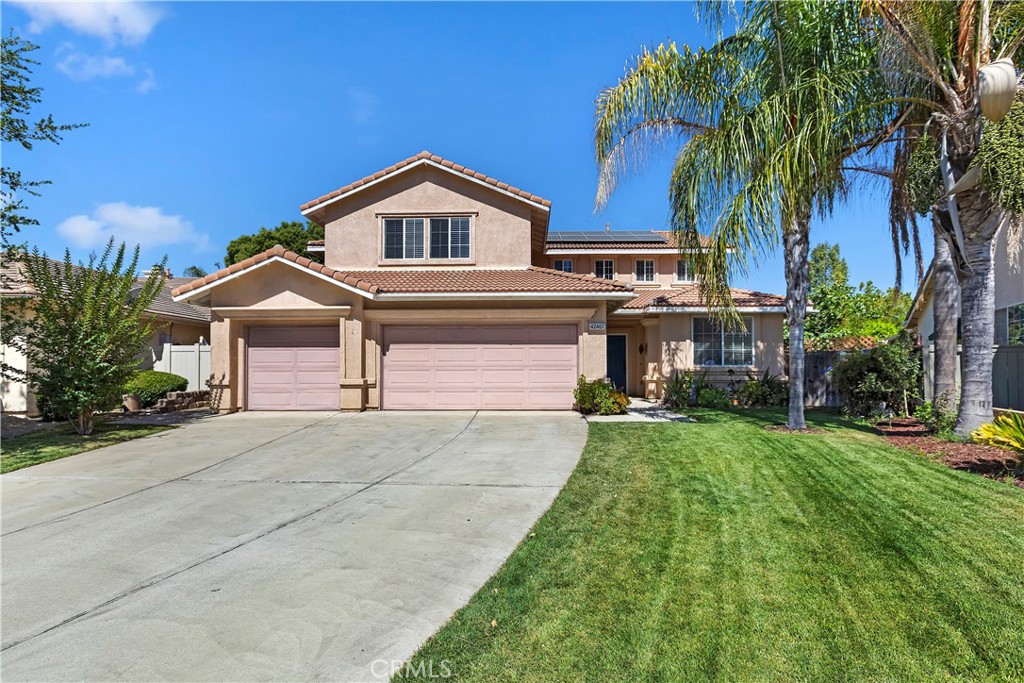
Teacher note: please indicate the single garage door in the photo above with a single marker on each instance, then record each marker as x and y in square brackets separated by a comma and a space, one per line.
[480, 367]
[293, 368]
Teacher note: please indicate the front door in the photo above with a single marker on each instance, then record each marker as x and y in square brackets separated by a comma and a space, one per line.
[617, 360]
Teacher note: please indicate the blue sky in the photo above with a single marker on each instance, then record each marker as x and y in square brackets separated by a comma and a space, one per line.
[208, 120]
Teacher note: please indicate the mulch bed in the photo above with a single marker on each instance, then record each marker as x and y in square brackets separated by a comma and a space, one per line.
[990, 461]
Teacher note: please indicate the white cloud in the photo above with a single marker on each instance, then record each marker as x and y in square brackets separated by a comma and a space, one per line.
[147, 226]
[363, 105]
[129, 22]
[82, 67]
[147, 83]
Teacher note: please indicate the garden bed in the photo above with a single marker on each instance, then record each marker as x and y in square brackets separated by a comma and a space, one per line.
[989, 461]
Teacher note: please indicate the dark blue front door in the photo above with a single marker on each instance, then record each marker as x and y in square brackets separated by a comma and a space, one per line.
[617, 360]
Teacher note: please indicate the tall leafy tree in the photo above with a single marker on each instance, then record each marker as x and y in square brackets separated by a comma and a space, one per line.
[932, 56]
[842, 311]
[291, 235]
[81, 329]
[768, 117]
[18, 100]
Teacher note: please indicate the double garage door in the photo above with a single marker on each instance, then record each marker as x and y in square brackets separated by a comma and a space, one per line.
[527, 367]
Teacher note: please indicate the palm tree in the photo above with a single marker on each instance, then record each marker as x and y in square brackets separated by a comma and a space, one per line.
[932, 54]
[769, 115]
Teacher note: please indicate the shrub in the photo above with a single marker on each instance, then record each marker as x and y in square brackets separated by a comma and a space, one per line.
[599, 397]
[1006, 431]
[880, 380]
[761, 392]
[153, 385]
[939, 416]
[713, 397]
[677, 390]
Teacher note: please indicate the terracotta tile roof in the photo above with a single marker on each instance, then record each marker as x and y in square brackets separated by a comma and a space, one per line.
[385, 281]
[270, 253]
[315, 243]
[437, 160]
[687, 297]
[667, 241]
[532, 279]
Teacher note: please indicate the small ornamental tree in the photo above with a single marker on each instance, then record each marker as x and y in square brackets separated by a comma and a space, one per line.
[81, 330]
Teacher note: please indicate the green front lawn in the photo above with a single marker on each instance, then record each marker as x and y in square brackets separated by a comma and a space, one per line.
[721, 551]
[60, 442]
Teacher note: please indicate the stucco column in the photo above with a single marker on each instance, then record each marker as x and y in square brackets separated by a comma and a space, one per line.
[353, 378]
[223, 365]
[594, 351]
[652, 357]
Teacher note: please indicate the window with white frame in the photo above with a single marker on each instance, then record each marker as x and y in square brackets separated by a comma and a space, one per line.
[1015, 325]
[645, 270]
[718, 344]
[563, 264]
[403, 238]
[449, 237]
[684, 271]
[408, 238]
[604, 268]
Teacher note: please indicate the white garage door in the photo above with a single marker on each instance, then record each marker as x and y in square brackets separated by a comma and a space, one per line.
[506, 367]
[293, 368]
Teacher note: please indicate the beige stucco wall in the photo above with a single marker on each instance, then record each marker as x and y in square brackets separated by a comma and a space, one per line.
[668, 348]
[625, 267]
[500, 226]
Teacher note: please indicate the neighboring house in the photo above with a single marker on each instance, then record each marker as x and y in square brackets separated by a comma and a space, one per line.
[176, 323]
[1008, 362]
[440, 290]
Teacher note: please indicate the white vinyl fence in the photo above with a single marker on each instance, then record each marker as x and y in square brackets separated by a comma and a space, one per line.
[188, 360]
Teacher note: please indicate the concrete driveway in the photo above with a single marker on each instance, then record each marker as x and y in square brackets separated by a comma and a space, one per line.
[264, 546]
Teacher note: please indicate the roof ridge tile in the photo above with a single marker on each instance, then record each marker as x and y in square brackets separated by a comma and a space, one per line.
[434, 158]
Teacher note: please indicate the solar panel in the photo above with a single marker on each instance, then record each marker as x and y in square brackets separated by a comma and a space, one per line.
[602, 236]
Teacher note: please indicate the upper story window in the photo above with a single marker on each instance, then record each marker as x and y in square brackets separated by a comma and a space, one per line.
[645, 270]
[563, 264]
[449, 237]
[403, 238]
[684, 271]
[604, 268]
[407, 238]
[716, 344]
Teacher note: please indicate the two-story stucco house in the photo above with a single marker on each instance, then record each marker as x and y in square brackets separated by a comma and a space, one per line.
[442, 289]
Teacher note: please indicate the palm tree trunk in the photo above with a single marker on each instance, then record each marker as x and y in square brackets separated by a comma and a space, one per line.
[944, 316]
[977, 321]
[796, 240]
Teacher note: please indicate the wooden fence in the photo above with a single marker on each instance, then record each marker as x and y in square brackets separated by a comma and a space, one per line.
[819, 389]
[1008, 377]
